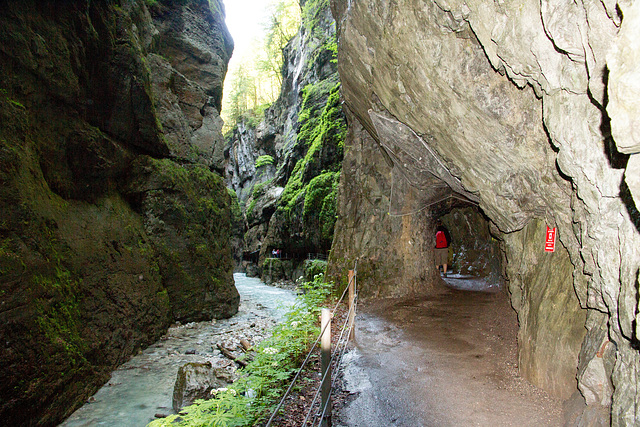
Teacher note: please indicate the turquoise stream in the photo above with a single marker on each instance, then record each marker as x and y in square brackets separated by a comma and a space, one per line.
[142, 387]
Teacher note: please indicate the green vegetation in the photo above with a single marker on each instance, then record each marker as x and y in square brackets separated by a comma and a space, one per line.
[319, 214]
[306, 206]
[236, 212]
[282, 25]
[314, 267]
[312, 186]
[194, 207]
[312, 14]
[293, 189]
[198, 184]
[4, 94]
[260, 189]
[251, 207]
[264, 161]
[255, 394]
[326, 125]
[58, 314]
[323, 129]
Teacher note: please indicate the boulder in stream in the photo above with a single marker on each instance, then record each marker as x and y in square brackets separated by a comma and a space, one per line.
[195, 381]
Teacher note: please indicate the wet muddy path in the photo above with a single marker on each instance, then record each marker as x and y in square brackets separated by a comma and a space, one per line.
[444, 360]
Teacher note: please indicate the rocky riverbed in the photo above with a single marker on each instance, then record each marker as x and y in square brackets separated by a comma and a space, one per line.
[142, 388]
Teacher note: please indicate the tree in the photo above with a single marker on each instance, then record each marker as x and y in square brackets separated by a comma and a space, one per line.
[255, 81]
[281, 27]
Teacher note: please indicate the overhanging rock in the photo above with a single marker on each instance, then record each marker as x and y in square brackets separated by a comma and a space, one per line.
[416, 166]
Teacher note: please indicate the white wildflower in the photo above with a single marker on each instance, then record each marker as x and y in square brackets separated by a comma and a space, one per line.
[270, 350]
[295, 324]
[223, 390]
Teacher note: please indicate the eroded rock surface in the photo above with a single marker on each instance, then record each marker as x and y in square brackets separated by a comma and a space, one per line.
[190, 47]
[106, 113]
[196, 381]
[511, 99]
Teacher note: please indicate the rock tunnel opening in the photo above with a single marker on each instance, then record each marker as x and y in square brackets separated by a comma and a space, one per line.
[473, 251]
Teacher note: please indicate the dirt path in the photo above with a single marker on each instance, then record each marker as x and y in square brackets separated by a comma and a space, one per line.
[444, 360]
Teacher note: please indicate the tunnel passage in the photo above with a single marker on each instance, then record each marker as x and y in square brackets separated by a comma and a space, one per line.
[460, 347]
[422, 185]
[387, 222]
[473, 250]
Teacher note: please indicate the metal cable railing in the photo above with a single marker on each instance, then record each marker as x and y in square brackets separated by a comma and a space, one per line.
[339, 349]
[339, 359]
[336, 358]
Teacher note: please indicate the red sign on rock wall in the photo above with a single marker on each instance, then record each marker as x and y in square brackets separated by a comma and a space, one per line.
[550, 244]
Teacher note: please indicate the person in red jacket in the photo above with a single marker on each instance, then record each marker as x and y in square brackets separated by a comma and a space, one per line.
[443, 239]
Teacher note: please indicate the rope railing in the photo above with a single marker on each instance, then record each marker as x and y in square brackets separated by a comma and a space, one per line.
[339, 348]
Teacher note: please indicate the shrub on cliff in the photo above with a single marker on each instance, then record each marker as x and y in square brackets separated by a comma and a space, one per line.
[264, 161]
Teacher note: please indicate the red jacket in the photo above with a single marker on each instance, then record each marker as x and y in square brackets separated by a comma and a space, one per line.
[441, 240]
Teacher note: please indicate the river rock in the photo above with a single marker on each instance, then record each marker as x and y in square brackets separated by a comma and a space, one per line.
[196, 381]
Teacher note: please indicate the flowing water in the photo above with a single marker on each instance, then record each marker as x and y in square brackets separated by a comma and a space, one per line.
[143, 387]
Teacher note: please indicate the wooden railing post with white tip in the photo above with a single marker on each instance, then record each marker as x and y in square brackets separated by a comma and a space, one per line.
[352, 309]
[325, 346]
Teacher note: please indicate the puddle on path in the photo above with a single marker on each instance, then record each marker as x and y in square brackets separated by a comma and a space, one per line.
[143, 386]
[470, 283]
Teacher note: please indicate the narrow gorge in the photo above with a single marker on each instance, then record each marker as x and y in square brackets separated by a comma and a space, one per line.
[125, 209]
[285, 167]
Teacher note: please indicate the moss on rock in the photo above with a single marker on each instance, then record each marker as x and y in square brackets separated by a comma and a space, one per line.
[319, 213]
[187, 217]
[86, 279]
[307, 205]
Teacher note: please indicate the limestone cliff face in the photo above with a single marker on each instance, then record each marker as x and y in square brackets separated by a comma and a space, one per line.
[506, 106]
[188, 52]
[290, 203]
[112, 222]
[392, 249]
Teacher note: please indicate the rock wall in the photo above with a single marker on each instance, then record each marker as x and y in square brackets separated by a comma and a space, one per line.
[112, 222]
[289, 204]
[188, 48]
[392, 251]
[513, 107]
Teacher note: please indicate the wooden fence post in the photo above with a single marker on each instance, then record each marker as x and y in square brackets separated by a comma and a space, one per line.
[352, 309]
[325, 345]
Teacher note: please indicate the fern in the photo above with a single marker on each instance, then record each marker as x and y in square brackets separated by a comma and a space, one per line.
[263, 380]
